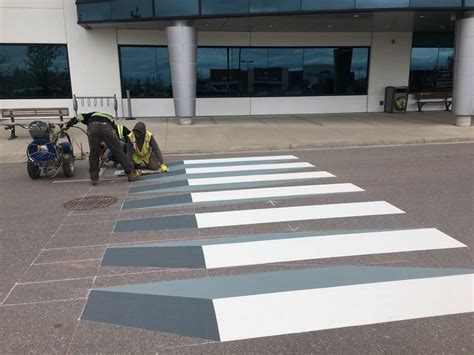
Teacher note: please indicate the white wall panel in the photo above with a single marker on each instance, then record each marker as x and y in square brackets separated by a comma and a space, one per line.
[32, 25]
[59, 103]
[142, 37]
[224, 38]
[308, 104]
[93, 58]
[151, 107]
[38, 4]
[389, 65]
[223, 106]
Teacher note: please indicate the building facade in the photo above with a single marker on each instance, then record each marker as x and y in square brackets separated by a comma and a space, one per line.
[241, 57]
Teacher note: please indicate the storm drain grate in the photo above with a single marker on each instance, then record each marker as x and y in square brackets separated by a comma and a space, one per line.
[90, 203]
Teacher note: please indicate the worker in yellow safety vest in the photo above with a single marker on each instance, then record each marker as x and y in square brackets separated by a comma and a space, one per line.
[101, 127]
[143, 150]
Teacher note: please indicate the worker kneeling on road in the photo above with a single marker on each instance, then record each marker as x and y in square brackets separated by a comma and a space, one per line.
[101, 127]
[143, 150]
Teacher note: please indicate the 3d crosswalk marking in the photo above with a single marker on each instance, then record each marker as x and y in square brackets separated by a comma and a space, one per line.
[298, 213]
[250, 306]
[191, 171]
[272, 248]
[243, 181]
[235, 196]
[257, 216]
[239, 159]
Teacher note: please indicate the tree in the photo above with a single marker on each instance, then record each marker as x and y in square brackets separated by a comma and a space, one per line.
[40, 63]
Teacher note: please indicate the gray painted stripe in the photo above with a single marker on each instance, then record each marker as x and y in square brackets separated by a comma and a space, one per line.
[156, 224]
[164, 201]
[283, 281]
[170, 257]
[163, 187]
[186, 316]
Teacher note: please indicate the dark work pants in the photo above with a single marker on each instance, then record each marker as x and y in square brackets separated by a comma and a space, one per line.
[98, 132]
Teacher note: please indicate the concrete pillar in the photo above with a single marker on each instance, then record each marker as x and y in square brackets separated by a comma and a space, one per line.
[463, 91]
[182, 48]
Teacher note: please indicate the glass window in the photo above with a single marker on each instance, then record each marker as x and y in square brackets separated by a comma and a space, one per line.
[145, 71]
[215, 7]
[132, 9]
[435, 3]
[469, 3]
[94, 12]
[372, 4]
[170, 8]
[327, 4]
[34, 71]
[282, 71]
[431, 69]
[275, 5]
[213, 72]
[336, 71]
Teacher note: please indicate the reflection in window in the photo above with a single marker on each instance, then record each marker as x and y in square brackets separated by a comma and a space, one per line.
[274, 5]
[145, 71]
[165, 8]
[282, 71]
[94, 12]
[132, 9]
[214, 7]
[431, 69]
[34, 72]
[373, 4]
[435, 3]
[326, 4]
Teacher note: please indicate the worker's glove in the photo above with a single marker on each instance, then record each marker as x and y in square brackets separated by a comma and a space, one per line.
[164, 168]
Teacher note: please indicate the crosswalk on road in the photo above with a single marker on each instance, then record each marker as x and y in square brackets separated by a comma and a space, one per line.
[250, 306]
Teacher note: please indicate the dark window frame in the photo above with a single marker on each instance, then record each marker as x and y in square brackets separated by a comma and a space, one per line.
[68, 69]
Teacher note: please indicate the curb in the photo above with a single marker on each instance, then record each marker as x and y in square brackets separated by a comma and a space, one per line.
[291, 147]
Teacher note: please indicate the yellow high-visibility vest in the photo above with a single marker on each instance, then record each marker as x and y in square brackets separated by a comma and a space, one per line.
[120, 131]
[143, 155]
[104, 115]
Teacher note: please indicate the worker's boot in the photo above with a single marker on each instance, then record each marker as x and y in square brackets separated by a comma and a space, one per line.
[133, 175]
[95, 182]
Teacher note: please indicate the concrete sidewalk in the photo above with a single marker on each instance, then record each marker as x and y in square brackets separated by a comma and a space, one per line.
[279, 132]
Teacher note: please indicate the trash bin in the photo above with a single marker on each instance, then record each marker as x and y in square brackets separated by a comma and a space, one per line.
[396, 99]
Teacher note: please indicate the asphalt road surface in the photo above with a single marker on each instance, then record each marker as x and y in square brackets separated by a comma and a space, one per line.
[329, 208]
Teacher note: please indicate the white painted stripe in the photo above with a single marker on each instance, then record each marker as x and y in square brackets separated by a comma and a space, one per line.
[221, 169]
[240, 159]
[298, 213]
[271, 192]
[328, 246]
[258, 178]
[335, 307]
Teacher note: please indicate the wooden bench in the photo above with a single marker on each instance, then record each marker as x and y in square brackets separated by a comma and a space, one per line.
[423, 98]
[18, 116]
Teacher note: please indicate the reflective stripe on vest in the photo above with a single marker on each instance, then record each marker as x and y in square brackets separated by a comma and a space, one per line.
[120, 131]
[104, 115]
[143, 155]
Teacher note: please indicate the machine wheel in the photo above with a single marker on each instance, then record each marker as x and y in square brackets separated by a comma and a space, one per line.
[68, 165]
[33, 171]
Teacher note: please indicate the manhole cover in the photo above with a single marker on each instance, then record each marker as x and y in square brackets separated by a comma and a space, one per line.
[90, 203]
